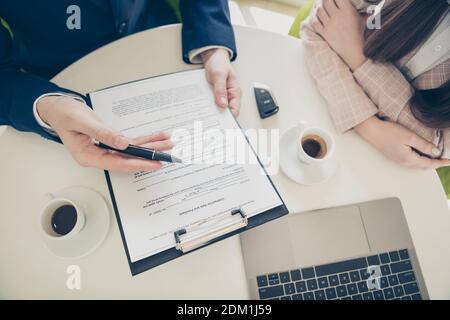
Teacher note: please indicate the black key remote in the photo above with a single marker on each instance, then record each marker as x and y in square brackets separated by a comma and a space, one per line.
[265, 101]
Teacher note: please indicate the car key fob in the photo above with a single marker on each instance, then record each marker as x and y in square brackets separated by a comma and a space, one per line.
[267, 105]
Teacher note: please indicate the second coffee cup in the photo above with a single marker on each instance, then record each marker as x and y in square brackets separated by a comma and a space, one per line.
[314, 145]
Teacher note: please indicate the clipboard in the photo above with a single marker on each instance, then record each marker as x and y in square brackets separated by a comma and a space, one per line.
[184, 246]
[205, 232]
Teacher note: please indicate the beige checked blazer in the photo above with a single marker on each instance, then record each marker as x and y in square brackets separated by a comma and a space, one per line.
[372, 89]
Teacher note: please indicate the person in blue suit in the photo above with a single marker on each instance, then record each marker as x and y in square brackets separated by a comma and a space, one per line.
[38, 39]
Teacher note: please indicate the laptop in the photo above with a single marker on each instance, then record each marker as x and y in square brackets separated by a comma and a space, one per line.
[356, 252]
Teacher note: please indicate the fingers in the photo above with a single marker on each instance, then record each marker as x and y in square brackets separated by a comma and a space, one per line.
[227, 92]
[87, 123]
[341, 4]
[219, 81]
[117, 163]
[330, 7]
[160, 141]
[322, 15]
[163, 145]
[151, 138]
[221, 76]
[423, 146]
[83, 125]
[423, 162]
[110, 137]
[234, 96]
[113, 161]
[317, 25]
[439, 163]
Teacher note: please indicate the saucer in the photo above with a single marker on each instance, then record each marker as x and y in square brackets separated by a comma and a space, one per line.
[298, 171]
[94, 231]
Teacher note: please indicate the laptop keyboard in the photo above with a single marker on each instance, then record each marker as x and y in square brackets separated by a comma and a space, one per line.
[346, 280]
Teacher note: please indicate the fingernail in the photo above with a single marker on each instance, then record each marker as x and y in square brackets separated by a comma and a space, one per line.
[224, 101]
[436, 152]
[121, 142]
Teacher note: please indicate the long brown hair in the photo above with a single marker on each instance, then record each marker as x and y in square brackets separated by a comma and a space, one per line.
[407, 24]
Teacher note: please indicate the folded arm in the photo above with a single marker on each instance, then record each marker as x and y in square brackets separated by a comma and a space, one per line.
[388, 88]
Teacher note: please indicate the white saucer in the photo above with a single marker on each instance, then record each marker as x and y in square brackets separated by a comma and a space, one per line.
[94, 231]
[299, 172]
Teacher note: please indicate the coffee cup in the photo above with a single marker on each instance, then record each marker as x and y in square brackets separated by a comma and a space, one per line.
[315, 146]
[61, 219]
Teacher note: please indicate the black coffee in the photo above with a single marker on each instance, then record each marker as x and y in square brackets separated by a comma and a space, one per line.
[314, 146]
[64, 219]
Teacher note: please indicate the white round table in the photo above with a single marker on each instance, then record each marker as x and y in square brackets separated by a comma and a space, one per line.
[31, 166]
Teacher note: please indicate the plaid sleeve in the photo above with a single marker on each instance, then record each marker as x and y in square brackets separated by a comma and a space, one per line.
[386, 86]
[347, 102]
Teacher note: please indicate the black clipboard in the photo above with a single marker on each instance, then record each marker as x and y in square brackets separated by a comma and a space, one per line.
[173, 253]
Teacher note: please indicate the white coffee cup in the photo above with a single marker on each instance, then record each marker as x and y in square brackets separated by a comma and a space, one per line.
[48, 212]
[318, 136]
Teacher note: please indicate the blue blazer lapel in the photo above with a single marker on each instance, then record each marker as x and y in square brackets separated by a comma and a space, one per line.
[128, 10]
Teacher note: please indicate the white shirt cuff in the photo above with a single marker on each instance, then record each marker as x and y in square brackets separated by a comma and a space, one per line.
[39, 120]
[195, 55]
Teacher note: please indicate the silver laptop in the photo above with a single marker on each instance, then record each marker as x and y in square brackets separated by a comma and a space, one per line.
[358, 252]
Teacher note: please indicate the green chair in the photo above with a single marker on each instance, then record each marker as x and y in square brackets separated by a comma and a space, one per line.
[304, 12]
[444, 175]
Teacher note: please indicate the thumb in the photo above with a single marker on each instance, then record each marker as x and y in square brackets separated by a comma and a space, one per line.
[89, 125]
[219, 83]
[425, 146]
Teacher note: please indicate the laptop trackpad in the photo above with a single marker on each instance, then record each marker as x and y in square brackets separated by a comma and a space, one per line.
[327, 236]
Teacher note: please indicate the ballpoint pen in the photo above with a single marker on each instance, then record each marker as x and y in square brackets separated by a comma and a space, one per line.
[141, 152]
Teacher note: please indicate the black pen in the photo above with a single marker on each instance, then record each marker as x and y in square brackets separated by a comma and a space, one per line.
[141, 152]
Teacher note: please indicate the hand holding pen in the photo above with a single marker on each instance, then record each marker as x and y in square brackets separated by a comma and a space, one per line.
[141, 154]
[77, 126]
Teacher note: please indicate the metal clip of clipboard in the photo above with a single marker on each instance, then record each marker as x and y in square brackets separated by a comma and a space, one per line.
[230, 222]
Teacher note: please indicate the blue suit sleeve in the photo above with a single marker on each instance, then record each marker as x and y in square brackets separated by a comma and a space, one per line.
[206, 23]
[19, 90]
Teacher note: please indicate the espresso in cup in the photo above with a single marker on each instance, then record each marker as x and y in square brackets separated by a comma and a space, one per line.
[315, 149]
[314, 146]
[64, 219]
[61, 219]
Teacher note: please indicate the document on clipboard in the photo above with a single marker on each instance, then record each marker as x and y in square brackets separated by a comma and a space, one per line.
[166, 213]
